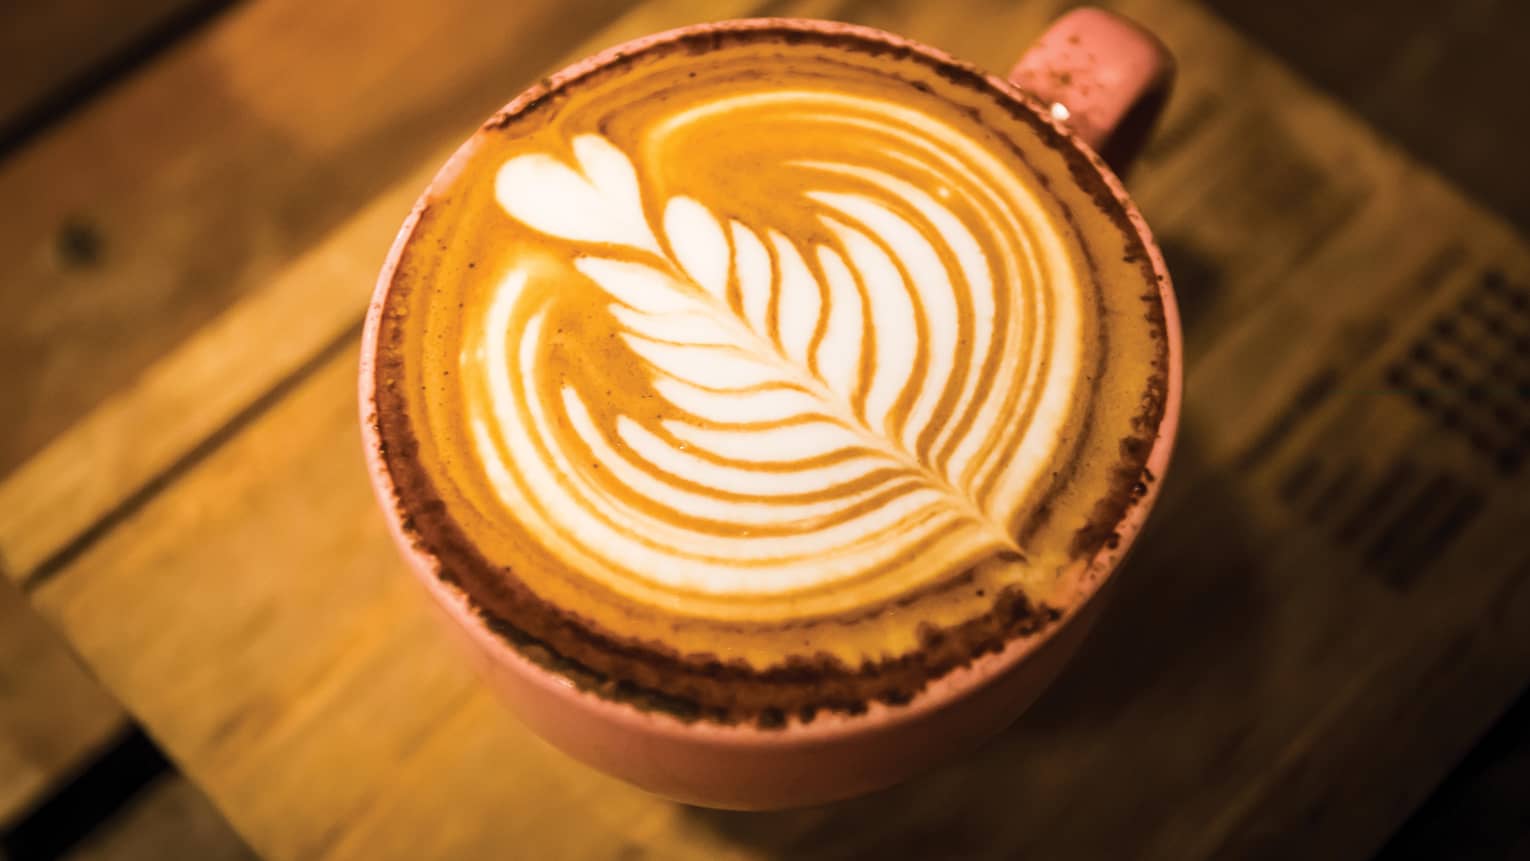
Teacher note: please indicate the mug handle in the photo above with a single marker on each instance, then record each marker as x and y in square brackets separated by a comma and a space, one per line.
[1103, 76]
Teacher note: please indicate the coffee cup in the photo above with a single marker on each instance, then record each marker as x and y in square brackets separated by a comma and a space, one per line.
[705, 732]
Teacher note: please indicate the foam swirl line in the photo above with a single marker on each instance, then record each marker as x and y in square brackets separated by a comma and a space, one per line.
[853, 399]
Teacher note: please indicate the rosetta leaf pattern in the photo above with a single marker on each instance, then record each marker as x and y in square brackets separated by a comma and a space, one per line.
[794, 369]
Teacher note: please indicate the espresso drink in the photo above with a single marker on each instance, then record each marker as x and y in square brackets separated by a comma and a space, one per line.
[758, 373]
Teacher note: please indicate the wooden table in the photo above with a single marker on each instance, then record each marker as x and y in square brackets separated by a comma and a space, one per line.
[1328, 609]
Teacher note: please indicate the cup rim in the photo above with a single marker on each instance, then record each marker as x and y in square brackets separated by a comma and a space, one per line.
[939, 693]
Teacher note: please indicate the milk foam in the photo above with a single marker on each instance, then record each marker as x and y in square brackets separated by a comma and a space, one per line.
[826, 405]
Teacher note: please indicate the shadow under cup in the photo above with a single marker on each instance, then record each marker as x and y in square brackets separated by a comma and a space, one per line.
[835, 755]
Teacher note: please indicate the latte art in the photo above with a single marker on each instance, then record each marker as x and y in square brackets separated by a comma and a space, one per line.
[817, 395]
[767, 393]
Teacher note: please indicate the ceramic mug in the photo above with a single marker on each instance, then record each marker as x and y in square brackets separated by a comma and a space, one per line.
[1100, 81]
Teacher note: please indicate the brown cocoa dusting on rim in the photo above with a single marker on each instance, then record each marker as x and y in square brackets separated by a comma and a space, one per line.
[651, 676]
[804, 688]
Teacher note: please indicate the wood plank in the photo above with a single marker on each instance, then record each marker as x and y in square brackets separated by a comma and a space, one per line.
[53, 715]
[45, 47]
[1280, 646]
[101, 464]
[197, 180]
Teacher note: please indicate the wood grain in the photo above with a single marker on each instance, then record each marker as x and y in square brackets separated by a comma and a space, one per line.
[1280, 642]
[197, 180]
[53, 715]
